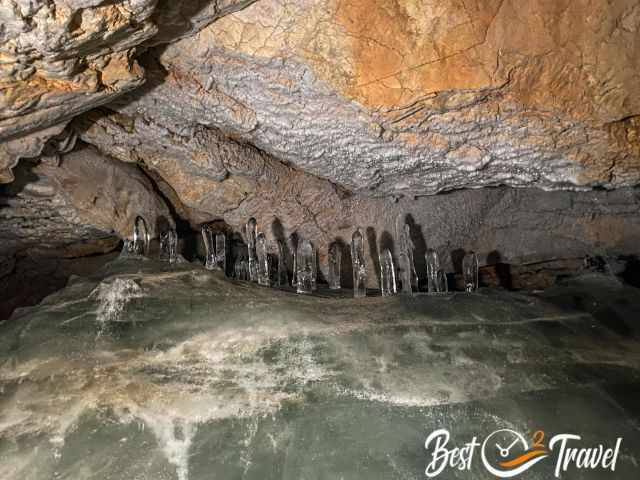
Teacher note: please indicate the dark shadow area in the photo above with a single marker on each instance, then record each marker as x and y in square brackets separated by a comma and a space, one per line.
[610, 318]
[277, 230]
[631, 273]
[502, 270]
[23, 173]
[346, 269]
[456, 260]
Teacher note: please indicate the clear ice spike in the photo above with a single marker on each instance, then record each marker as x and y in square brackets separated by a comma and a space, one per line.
[335, 262]
[282, 279]
[407, 265]
[433, 267]
[251, 232]
[220, 259]
[169, 246]
[262, 254]
[470, 272]
[359, 265]
[387, 274]
[306, 269]
[293, 247]
[443, 286]
[209, 247]
[241, 269]
[140, 244]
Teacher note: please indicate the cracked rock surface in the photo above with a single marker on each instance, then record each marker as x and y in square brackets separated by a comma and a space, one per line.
[415, 97]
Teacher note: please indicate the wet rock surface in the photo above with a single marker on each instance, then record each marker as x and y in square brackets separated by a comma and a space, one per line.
[179, 373]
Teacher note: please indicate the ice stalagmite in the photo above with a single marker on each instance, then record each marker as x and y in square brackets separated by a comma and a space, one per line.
[306, 273]
[282, 278]
[221, 252]
[241, 269]
[407, 266]
[433, 265]
[251, 232]
[262, 255]
[442, 282]
[169, 246]
[140, 244]
[470, 272]
[335, 262]
[359, 265]
[209, 247]
[293, 247]
[436, 278]
[387, 274]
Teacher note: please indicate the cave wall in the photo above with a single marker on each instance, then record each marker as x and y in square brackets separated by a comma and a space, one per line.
[507, 127]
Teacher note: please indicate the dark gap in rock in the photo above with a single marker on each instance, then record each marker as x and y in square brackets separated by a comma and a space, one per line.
[631, 273]
[187, 236]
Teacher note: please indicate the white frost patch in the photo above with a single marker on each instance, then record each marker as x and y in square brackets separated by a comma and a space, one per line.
[112, 297]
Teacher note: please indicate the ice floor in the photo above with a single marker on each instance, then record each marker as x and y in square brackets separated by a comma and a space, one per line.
[146, 372]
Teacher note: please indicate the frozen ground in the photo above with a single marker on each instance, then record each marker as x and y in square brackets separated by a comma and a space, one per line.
[146, 372]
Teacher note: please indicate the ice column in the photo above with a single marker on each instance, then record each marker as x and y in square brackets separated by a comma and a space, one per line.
[306, 259]
[387, 274]
[241, 269]
[210, 253]
[470, 272]
[442, 282]
[169, 246]
[335, 262]
[436, 277]
[251, 232]
[140, 237]
[282, 278]
[293, 247]
[221, 252]
[433, 266]
[262, 255]
[359, 265]
[407, 265]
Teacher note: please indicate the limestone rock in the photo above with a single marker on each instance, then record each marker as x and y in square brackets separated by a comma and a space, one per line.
[416, 97]
[59, 59]
[87, 198]
[517, 226]
[62, 58]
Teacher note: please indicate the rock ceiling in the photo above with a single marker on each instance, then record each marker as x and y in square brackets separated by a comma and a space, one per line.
[309, 110]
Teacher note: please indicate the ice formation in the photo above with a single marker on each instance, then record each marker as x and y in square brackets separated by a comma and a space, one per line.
[221, 252]
[207, 238]
[262, 255]
[140, 244]
[436, 277]
[407, 265]
[251, 231]
[282, 279]
[306, 268]
[387, 274]
[335, 262]
[470, 272]
[359, 265]
[168, 246]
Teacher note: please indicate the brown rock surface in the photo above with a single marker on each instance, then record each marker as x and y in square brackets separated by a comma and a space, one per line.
[88, 199]
[417, 97]
[520, 226]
